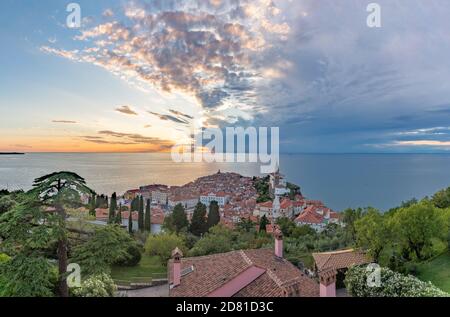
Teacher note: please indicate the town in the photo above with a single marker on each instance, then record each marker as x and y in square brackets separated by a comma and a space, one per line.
[237, 198]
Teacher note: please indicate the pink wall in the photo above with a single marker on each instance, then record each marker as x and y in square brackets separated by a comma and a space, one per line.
[328, 291]
[176, 273]
[279, 248]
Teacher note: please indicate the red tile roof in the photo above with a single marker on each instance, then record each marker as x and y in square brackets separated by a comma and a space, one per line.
[339, 259]
[212, 272]
[309, 217]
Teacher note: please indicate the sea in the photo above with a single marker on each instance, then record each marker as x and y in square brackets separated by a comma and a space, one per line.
[341, 181]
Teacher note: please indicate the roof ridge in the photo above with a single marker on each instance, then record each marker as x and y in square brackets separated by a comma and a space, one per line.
[274, 277]
[245, 257]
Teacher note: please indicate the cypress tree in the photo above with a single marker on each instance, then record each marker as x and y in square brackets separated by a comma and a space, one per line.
[112, 208]
[141, 214]
[263, 223]
[147, 220]
[179, 218]
[213, 215]
[130, 222]
[92, 204]
[119, 216]
[198, 223]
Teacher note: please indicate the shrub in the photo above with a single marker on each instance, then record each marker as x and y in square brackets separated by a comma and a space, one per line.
[100, 285]
[133, 259]
[393, 284]
[162, 245]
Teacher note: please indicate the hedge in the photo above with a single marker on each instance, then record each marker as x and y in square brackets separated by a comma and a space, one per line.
[393, 284]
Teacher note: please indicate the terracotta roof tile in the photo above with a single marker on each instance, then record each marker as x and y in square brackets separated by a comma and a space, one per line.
[339, 259]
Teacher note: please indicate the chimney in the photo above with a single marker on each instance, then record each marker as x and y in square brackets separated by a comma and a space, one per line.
[278, 242]
[328, 283]
[176, 256]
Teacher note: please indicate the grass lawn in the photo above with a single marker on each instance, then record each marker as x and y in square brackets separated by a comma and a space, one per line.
[437, 271]
[149, 267]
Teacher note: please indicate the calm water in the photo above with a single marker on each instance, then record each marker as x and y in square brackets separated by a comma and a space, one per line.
[340, 180]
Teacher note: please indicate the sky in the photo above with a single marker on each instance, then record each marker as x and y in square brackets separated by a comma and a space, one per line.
[137, 75]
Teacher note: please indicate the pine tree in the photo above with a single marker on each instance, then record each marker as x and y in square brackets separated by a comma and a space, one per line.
[130, 222]
[112, 208]
[198, 223]
[263, 223]
[147, 222]
[213, 215]
[141, 214]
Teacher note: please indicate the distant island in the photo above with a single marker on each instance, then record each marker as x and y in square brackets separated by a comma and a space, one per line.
[11, 153]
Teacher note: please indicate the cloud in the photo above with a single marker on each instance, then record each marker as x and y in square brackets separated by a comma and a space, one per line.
[207, 49]
[64, 121]
[166, 117]
[24, 146]
[136, 138]
[126, 110]
[178, 113]
[147, 126]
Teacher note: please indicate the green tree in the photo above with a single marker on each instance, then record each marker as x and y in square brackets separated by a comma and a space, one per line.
[372, 233]
[113, 208]
[286, 226]
[349, 218]
[6, 203]
[108, 246]
[141, 214]
[100, 285]
[58, 190]
[245, 225]
[263, 223]
[213, 214]
[163, 244]
[179, 219]
[416, 227]
[198, 223]
[130, 222]
[442, 198]
[148, 219]
[27, 276]
[92, 204]
[118, 219]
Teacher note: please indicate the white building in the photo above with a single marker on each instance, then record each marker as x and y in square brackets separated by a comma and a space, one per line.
[220, 197]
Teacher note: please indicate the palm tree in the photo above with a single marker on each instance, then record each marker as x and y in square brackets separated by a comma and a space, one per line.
[57, 191]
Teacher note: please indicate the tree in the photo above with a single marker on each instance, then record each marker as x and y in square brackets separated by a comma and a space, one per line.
[108, 246]
[416, 227]
[442, 198]
[147, 220]
[218, 240]
[163, 244]
[25, 276]
[263, 223]
[6, 203]
[198, 223]
[141, 214]
[178, 220]
[349, 219]
[245, 225]
[213, 215]
[372, 233]
[286, 226]
[57, 190]
[118, 219]
[92, 204]
[130, 222]
[112, 208]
